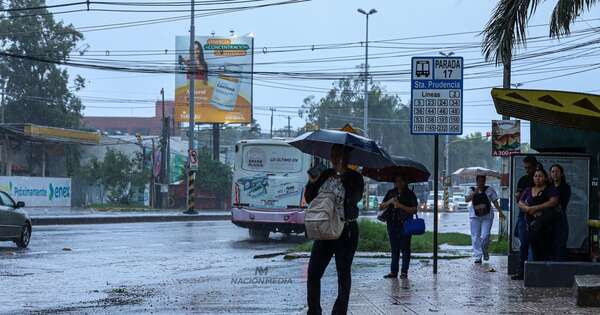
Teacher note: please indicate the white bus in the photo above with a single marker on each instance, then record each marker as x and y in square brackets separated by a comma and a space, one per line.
[269, 177]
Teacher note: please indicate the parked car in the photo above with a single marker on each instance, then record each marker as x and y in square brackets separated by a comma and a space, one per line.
[15, 224]
[429, 205]
[460, 205]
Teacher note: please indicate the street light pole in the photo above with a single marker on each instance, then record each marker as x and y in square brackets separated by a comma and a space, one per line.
[366, 78]
[366, 101]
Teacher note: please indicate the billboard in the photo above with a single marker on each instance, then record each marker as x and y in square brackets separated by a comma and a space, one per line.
[223, 79]
[506, 137]
[38, 191]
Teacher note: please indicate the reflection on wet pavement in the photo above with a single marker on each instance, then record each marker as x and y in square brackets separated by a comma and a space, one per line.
[209, 268]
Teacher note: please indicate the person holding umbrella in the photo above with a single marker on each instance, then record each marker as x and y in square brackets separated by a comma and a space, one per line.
[342, 148]
[481, 217]
[401, 203]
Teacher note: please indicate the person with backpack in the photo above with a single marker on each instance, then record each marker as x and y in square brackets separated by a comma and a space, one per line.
[399, 203]
[481, 217]
[340, 188]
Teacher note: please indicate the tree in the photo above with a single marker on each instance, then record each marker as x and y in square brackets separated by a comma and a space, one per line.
[38, 92]
[213, 176]
[508, 23]
[119, 176]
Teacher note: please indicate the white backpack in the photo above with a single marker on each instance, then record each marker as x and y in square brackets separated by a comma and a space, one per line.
[323, 220]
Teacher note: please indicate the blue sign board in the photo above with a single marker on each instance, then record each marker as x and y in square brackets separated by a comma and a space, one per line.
[436, 96]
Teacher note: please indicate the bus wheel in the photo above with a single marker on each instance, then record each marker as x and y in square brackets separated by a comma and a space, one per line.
[258, 234]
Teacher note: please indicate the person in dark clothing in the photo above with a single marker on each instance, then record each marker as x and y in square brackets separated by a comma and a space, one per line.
[561, 226]
[530, 164]
[400, 203]
[538, 204]
[344, 247]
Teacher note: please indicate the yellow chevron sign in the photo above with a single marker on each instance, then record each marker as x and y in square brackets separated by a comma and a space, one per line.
[565, 109]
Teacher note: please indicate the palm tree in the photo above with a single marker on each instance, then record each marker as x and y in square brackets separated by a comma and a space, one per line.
[508, 23]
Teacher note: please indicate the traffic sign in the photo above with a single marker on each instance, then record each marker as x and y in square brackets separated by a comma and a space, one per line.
[193, 159]
[437, 96]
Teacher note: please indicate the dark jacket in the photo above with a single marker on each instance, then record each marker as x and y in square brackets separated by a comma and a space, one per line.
[353, 185]
[407, 198]
[564, 191]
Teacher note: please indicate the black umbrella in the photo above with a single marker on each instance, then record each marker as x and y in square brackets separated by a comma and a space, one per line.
[365, 152]
[411, 170]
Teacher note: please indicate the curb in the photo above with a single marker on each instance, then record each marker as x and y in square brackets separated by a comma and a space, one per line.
[73, 220]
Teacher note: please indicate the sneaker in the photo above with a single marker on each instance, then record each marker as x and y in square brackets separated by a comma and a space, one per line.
[390, 275]
[518, 276]
[478, 261]
[403, 275]
[486, 256]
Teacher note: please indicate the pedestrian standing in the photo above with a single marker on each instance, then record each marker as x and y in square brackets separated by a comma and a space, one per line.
[530, 164]
[344, 247]
[539, 203]
[481, 217]
[401, 203]
[561, 225]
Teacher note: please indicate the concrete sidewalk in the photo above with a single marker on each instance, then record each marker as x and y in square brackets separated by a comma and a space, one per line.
[65, 216]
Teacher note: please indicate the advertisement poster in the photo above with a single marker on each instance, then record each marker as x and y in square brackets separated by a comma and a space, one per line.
[271, 176]
[506, 137]
[223, 79]
[577, 174]
[38, 191]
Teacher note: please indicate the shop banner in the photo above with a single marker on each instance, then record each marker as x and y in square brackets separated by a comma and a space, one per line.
[38, 191]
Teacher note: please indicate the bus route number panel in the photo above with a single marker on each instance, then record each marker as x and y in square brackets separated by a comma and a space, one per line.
[437, 96]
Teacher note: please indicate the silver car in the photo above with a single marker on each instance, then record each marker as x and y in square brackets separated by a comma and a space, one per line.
[15, 224]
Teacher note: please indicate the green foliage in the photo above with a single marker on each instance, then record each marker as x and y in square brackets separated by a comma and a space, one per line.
[374, 238]
[507, 27]
[213, 176]
[118, 175]
[38, 92]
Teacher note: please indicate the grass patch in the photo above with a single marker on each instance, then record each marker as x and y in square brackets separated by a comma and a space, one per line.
[374, 238]
[118, 207]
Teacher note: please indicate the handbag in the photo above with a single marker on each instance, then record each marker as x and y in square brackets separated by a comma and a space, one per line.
[383, 215]
[413, 226]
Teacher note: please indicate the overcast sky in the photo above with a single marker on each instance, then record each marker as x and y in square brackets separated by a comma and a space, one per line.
[402, 29]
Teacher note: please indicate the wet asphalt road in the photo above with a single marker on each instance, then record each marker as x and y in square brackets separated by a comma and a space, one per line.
[131, 268]
[211, 268]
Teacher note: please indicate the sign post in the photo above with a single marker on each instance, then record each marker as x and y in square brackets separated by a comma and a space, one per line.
[193, 154]
[436, 109]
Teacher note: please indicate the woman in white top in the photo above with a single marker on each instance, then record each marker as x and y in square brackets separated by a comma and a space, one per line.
[481, 216]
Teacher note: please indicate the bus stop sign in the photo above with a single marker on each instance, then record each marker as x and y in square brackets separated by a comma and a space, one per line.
[437, 96]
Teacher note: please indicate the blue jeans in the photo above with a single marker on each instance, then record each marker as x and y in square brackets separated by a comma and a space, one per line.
[399, 243]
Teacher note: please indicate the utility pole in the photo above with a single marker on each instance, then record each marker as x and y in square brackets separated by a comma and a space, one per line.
[2, 100]
[272, 109]
[191, 174]
[366, 105]
[163, 155]
[216, 130]
[289, 127]
[446, 172]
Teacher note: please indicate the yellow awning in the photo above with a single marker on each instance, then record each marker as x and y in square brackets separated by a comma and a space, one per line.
[560, 108]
